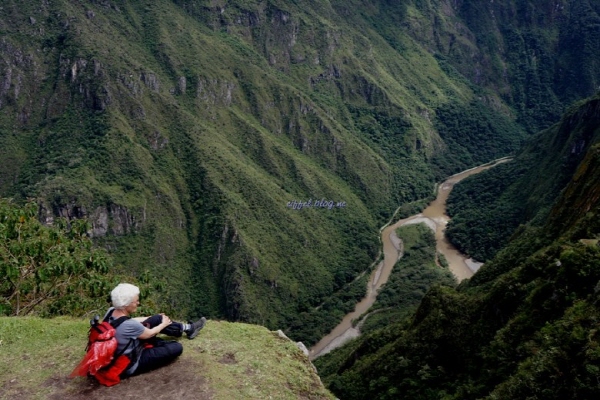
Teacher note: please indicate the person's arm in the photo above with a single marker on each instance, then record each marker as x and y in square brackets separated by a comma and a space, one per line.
[148, 333]
[140, 319]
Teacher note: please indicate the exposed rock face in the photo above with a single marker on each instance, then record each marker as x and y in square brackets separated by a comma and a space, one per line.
[114, 219]
[181, 85]
[303, 348]
[131, 83]
[47, 214]
[157, 141]
[151, 81]
[99, 221]
[15, 64]
[215, 91]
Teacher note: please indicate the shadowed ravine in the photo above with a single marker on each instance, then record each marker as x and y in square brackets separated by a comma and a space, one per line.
[433, 216]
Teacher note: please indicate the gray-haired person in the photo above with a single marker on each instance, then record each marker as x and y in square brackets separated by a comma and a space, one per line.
[136, 337]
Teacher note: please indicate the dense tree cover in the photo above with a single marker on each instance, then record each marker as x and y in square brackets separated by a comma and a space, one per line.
[581, 38]
[385, 132]
[198, 203]
[483, 215]
[487, 208]
[474, 135]
[49, 270]
[529, 332]
[525, 326]
[526, 47]
[55, 269]
[316, 322]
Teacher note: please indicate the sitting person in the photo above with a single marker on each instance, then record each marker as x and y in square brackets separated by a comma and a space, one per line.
[136, 336]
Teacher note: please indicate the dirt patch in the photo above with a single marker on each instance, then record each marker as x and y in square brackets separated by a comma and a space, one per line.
[58, 382]
[228, 358]
[180, 380]
[11, 390]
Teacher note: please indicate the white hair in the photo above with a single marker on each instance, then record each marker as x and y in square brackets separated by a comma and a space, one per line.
[123, 295]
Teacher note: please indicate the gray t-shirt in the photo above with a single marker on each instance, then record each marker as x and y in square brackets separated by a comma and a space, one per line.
[129, 329]
[127, 332]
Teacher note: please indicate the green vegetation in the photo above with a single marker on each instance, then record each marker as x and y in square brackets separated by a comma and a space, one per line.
[475, 135]
[521, 335]
[525, 326]
[52, 270]
[48, 270]
[486, 209]
[483, 213]
[315, 323]
[181, 130]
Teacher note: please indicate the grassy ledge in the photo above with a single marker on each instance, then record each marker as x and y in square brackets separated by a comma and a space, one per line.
[226, 361]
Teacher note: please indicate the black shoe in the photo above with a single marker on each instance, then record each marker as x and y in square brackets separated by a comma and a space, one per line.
[195, 328]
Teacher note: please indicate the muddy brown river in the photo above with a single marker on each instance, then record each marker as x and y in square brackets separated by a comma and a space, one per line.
[436, 218]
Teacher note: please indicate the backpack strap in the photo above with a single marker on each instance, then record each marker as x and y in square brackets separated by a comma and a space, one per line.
[115, 323]
[108, 313]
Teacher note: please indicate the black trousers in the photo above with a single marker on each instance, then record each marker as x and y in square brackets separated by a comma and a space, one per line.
[161, 352]
[174, 329]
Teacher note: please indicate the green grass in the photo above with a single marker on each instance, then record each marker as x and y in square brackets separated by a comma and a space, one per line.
[35, 349]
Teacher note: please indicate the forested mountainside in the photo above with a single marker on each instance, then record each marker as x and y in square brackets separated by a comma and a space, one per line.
[487, 209]
[183, 129]
[525, 326]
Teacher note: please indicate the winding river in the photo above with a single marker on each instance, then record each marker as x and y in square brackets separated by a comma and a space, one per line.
[436, 218]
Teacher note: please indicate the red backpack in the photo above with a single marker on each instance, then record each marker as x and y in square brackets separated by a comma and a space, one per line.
[100, 360]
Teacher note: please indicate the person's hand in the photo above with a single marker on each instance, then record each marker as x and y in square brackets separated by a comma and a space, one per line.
[165, 320]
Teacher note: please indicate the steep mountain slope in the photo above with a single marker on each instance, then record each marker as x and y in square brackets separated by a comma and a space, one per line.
[487, 209]
[525, 326]
[183, 129]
